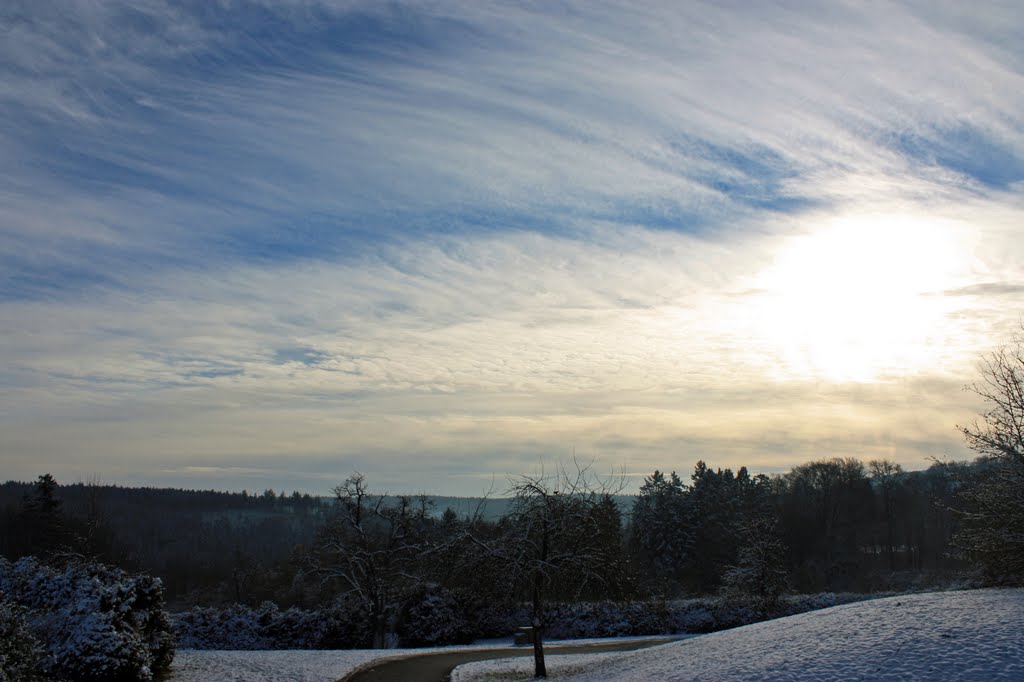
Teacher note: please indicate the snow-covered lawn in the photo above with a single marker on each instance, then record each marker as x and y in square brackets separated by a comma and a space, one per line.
[303, 666]
[969, 635]
[267, 666]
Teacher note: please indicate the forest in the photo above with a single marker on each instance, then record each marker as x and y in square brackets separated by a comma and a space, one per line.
[840, 525]
[832, 525]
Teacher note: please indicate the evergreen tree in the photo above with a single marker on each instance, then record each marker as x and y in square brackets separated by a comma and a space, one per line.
[661, 536]
[44, 527]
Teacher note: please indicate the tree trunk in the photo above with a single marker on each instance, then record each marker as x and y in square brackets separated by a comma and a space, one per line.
[890, 542]
[539, 669]
[379, 619]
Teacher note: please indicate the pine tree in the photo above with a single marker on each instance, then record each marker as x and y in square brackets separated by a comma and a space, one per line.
[43, 522]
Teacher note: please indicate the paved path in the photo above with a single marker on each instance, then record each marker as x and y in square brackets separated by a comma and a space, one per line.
[438, 667]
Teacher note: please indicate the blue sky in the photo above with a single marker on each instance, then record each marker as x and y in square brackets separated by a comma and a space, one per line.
[265, 244]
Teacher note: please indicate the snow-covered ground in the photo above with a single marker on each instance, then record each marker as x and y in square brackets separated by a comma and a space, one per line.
[267, 666]
[968, 635]
[304, 666]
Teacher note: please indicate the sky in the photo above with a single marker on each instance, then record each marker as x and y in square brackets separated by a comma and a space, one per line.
[250, 245]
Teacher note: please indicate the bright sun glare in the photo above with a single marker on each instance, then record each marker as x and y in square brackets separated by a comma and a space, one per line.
[858, 299]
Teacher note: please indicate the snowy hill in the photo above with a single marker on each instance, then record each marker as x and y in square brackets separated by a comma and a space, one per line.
[969, 635]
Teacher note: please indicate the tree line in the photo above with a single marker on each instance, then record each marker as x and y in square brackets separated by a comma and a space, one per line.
[208, 547]
[399, 569]
[839, 524]
[393, 564]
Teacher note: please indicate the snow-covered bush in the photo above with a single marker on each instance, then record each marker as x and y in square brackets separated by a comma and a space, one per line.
[800, 603]
[641, 618]
[606, 619]
[438, 617]
[706, 614]
[434, 617]
[234, 628]
[731, 613]
[621, 619]
[20, 652]
[495, 619]
[93, 622]
[266, 627]
[690, 616]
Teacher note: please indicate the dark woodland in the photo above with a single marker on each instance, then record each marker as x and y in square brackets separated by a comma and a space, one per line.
[833, 525]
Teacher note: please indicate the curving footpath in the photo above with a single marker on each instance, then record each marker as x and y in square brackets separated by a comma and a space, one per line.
[438, 667]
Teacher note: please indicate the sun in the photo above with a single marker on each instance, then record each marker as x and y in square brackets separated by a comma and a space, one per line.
[859, 299]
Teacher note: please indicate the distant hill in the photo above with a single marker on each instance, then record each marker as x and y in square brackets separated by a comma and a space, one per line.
[490, 508]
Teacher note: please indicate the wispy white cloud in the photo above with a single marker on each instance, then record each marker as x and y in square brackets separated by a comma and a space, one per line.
[494, 349]
[345, 232]
[507, 109]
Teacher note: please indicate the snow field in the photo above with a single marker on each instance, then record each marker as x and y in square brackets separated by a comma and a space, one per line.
[966, 635]
[267, 666]
[193, 665]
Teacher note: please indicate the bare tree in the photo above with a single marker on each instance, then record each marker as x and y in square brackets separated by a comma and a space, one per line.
[759, 577]
[887, 475]
[558, 540]
[994, 496]
[373, 549]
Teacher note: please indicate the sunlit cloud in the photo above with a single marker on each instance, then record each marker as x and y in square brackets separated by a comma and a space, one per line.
[448, 241]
